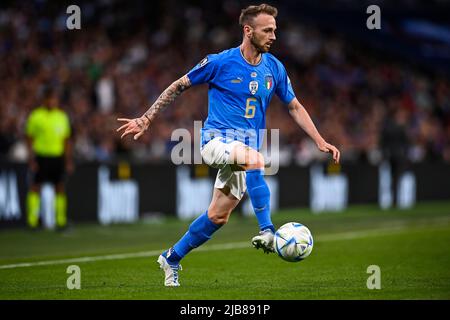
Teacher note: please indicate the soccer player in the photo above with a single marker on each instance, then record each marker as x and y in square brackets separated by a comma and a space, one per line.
[48, 139]
[242, 81]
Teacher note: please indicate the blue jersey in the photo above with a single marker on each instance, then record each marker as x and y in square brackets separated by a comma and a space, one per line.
[239, 94]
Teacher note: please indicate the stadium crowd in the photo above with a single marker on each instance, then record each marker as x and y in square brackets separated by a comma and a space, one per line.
[122, 59]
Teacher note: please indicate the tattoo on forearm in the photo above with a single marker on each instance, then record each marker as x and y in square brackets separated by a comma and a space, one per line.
[140, 123]
[168, 96]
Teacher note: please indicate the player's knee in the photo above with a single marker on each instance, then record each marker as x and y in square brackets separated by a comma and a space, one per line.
[256, 161]
[220, 220]
[219, 217]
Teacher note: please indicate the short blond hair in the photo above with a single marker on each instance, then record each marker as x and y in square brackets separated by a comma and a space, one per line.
[251, 12]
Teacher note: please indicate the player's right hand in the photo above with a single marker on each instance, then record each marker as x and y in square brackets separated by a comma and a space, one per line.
[135, 126]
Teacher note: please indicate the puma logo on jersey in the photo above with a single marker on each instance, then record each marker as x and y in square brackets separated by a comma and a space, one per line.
[237, 80]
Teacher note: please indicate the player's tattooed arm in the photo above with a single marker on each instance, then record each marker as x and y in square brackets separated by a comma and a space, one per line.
[139, 125]
[167, 97]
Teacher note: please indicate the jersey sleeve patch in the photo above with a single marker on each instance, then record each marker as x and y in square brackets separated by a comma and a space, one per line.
[203, 62]
[204, 71]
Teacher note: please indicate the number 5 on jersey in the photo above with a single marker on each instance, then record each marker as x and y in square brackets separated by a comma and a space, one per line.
[250, 109]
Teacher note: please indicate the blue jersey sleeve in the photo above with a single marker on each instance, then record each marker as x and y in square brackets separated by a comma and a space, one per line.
[284, 88]
[204, 71]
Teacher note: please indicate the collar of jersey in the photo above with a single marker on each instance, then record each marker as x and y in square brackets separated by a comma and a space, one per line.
[253, 65]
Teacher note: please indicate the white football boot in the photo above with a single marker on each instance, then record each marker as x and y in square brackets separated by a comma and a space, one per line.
[170, 271]
[264, 240]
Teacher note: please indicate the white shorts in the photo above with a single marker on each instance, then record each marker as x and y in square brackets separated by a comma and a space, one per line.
[216, 154]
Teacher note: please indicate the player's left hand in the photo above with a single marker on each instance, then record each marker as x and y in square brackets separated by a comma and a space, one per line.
[326, 147]
[135, 126]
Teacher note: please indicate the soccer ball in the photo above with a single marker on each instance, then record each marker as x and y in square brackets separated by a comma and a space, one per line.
[293, 242]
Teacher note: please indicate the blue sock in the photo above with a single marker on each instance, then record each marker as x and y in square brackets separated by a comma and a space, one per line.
[198, 233]
[260, 197]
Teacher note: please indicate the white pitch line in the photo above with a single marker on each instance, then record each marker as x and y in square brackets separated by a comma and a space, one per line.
[214, 247]
[121, 256]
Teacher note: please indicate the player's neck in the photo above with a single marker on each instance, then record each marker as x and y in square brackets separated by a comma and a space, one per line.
[250, 54]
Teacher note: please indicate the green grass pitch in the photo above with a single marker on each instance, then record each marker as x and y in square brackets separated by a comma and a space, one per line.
[411, 247]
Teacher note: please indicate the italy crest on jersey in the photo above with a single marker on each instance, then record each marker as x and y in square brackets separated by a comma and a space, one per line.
[268, 82]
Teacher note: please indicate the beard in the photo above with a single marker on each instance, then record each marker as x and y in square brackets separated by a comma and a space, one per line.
[261, 48]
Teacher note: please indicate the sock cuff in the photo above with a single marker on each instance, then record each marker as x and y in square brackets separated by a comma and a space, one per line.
[270, 227]
[254, 171]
